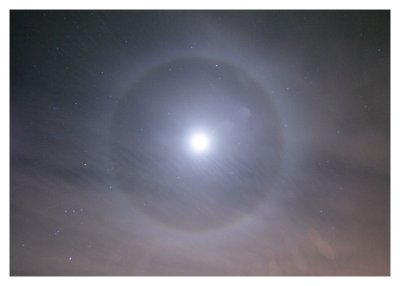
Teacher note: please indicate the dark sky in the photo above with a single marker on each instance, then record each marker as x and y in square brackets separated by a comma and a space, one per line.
[295, 106]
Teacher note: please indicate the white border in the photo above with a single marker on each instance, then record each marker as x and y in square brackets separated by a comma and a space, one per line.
[208, 4]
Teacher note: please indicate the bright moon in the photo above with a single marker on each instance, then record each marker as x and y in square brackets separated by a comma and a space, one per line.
[199, 142]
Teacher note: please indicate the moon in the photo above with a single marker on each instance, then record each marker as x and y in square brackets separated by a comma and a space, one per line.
[199, 143]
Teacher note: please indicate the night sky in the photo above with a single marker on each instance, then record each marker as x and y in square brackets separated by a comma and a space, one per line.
[200, 143]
